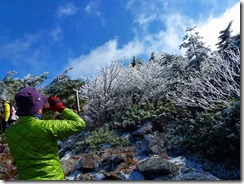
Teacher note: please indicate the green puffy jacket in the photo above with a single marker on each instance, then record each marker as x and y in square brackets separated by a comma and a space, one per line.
[33, 144]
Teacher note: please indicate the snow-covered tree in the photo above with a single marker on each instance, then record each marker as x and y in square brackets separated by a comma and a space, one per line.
[215, 85]
[9, 85]
[117, 87]
[196, 51]
[31, 80]
[135, 62]
[227, 41]
[152, 80]
[225, 38]
[236, 40]
[64, 87]
[106, 93]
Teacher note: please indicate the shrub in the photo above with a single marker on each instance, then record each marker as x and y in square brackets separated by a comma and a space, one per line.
[159, 113]
[213, 133]
[98, 138]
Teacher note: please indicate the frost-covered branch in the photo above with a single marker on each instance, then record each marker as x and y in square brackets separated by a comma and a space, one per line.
[105, 93]
[152, 80]
[117, 87]
[216, 83]
[31, 80]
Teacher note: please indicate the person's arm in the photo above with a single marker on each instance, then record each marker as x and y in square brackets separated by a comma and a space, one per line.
[60, 129]
[71, 124]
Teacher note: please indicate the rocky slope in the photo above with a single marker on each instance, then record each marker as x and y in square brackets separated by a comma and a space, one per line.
[144, 159]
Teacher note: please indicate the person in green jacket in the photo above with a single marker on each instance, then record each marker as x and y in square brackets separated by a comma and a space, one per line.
[33, 141]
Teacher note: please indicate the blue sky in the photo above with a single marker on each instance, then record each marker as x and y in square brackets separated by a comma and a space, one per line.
[38, 36]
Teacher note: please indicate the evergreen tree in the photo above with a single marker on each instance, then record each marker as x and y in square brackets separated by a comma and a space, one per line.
[136, 62]
[153, 56]
[196, 51]
[165, 58]
[64, 87]
[31, 80]
[228, 42]
[236, 40]
[9, 85]
[227, 45]
[225, 38]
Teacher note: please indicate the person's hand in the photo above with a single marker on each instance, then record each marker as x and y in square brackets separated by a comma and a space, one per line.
[55, 104]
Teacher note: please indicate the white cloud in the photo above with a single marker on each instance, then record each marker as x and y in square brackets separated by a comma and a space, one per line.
[176, 25]
[66, 10]
[144, 19]
[87, 65]
[18, 48]
[170, 25]
[164, 41]
[92, 9]
[210, 29]
[167, 39]
[25, 54]
[56, 33]
[145, 12]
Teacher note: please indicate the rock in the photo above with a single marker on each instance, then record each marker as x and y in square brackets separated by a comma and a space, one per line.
[74, 175]
[155, 167]
[86, 176]
[90, 162]
[142, 131]
[156, 143]
[143, 148]
[180, 161]
[135, 175]
[7, 168]
[111, 163]
[69, 164]
[111, 176]
[99, 176]
[192, 174]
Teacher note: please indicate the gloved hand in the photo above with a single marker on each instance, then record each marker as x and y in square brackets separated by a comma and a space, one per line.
[56, 104]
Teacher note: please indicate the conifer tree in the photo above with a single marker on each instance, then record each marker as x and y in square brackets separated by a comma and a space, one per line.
[10, 85]
[225, 38]
[64, 87]
[196, 51]
[135, 62]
